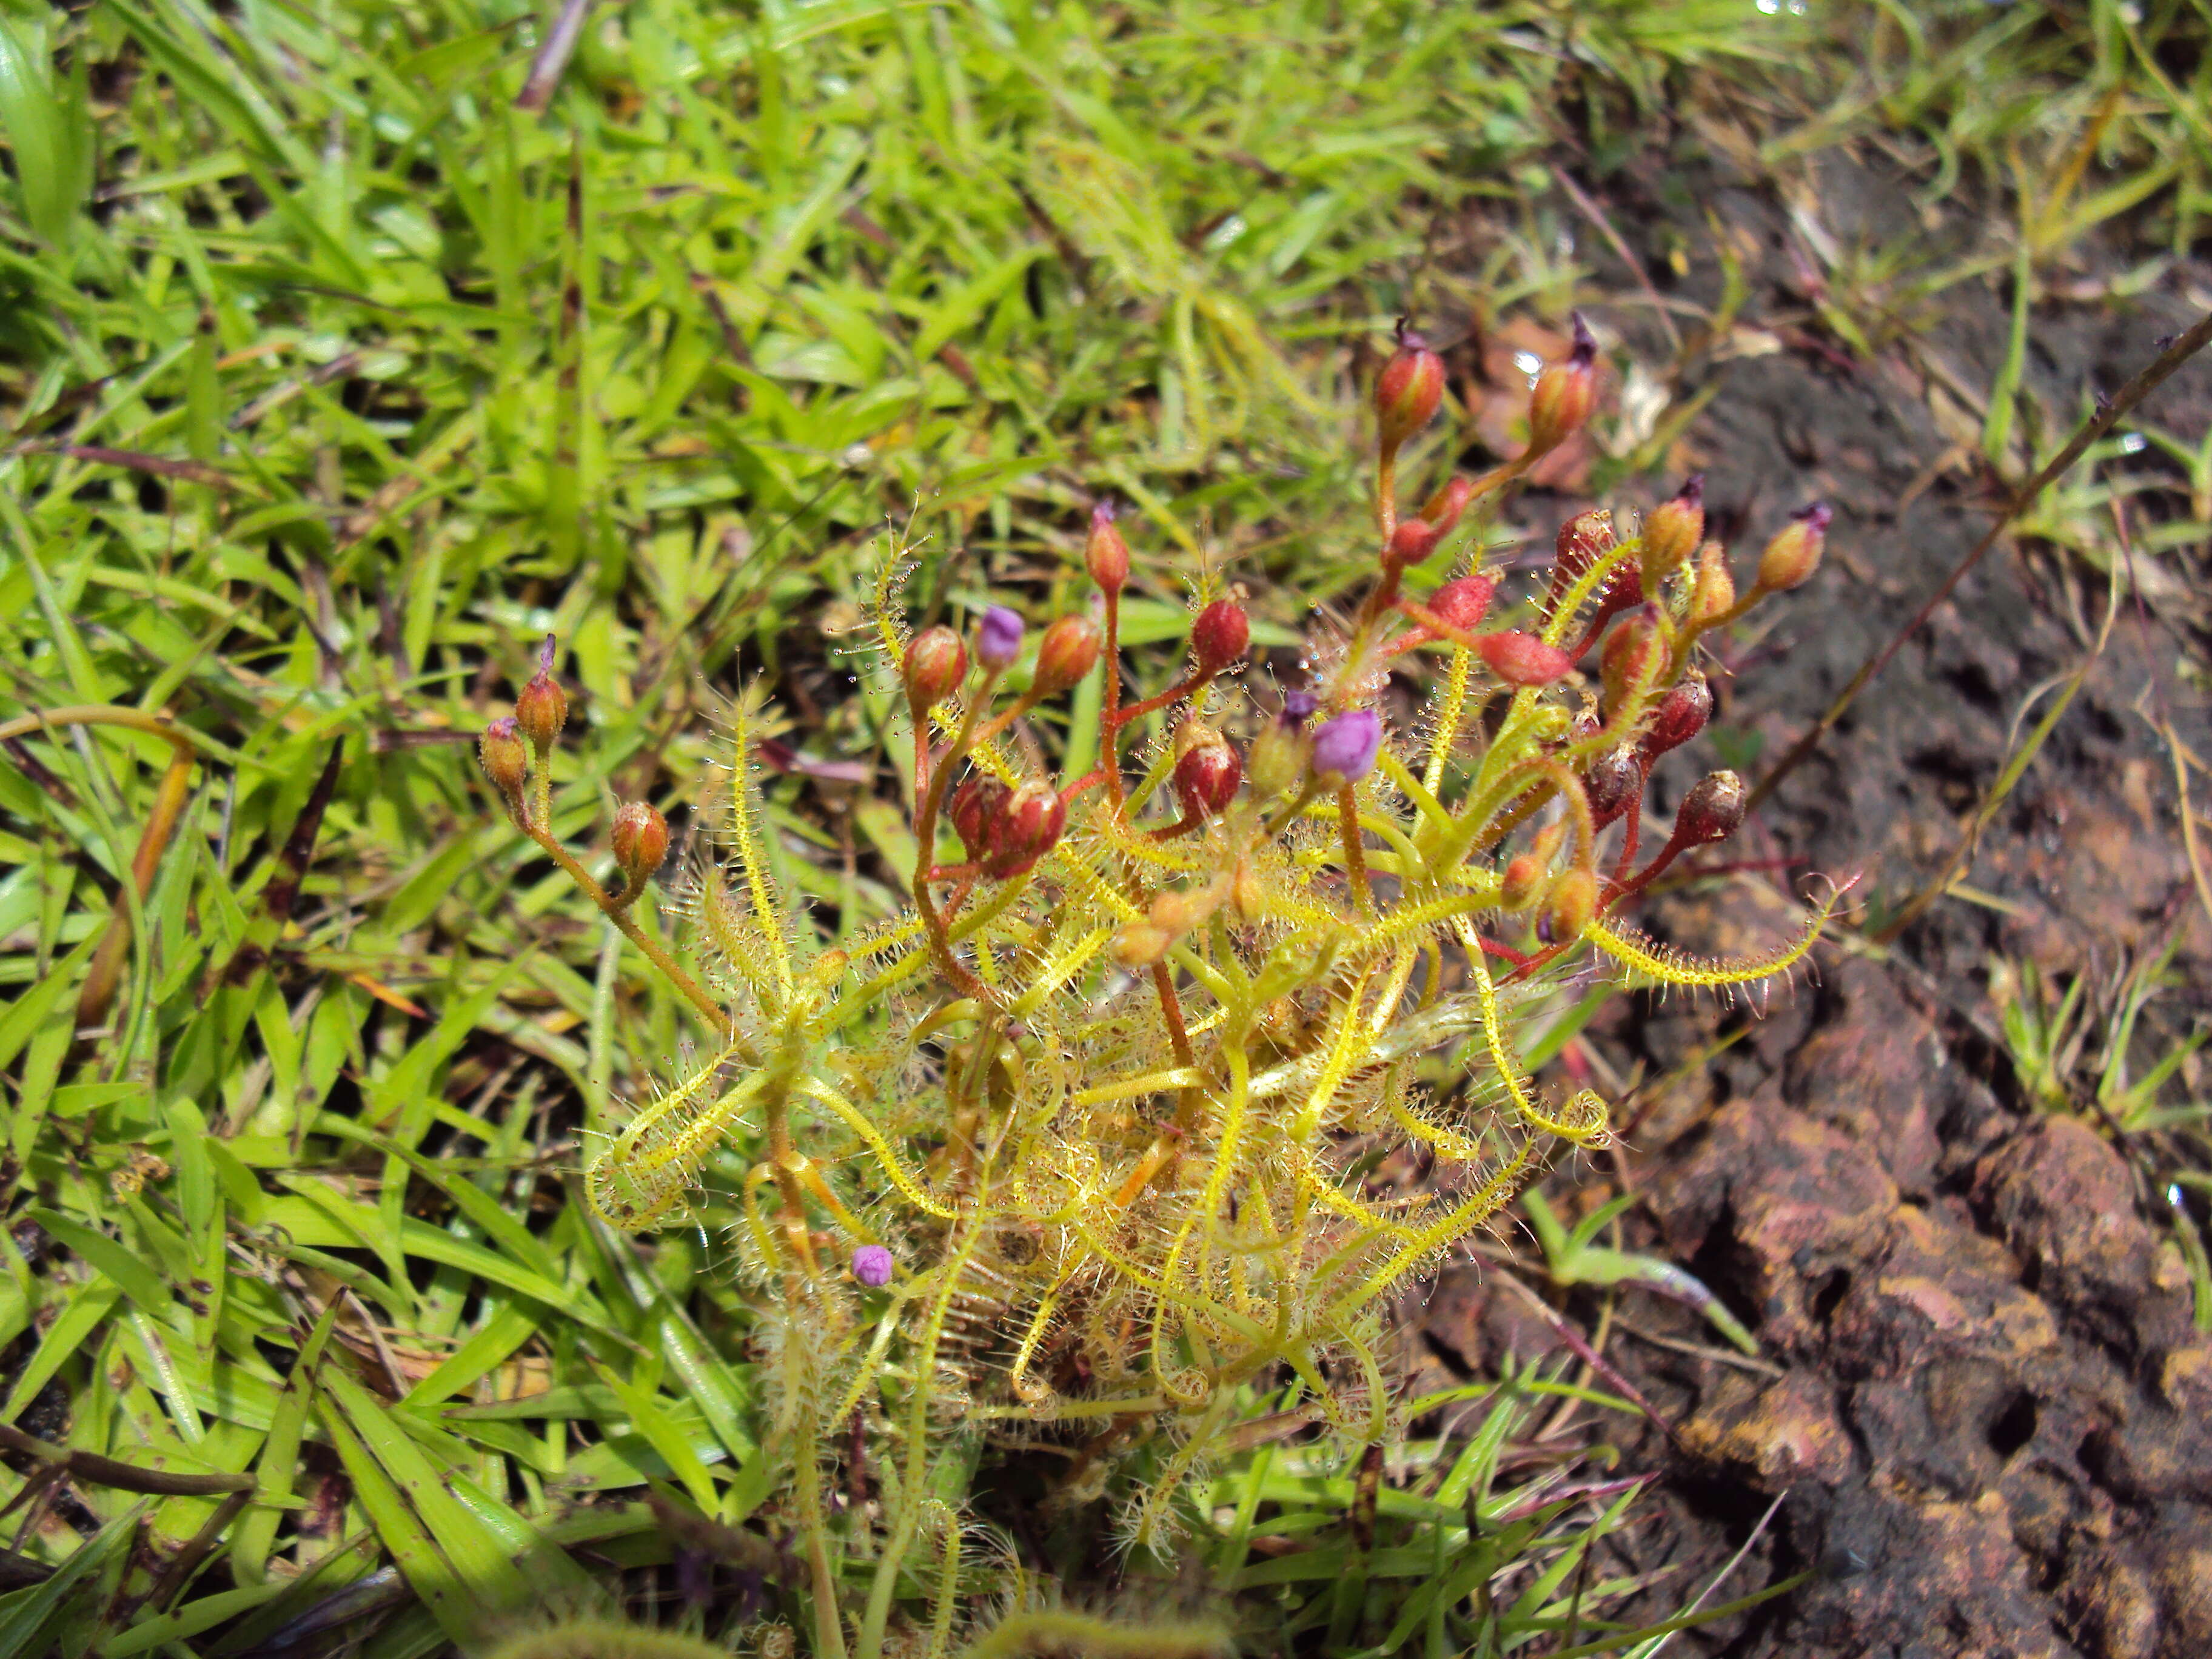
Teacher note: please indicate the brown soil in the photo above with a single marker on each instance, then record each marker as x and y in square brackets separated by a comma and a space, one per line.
[1987, 1412]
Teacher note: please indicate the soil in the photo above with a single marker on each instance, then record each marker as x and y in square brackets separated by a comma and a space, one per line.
[1984, 1403]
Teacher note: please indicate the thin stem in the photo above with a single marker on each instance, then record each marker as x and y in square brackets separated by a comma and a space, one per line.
[1355, 849]
[1109, 725]
[616, 912]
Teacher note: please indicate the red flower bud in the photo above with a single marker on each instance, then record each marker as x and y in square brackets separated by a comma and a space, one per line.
[1791, 558]
[1521, 659]
[505, 763]
[1582, 541]
[975, 807]
[1106, 556]
[1462, 602]
[1574, 901]
[1208, 772]
[1564, 397]
[1024, 830]
[1614, 780]
[1681, 714]
[1219, 635]
[1672, 531]
[640, 840]
[1629, 658]
[1712, 811]
[1414, 540]
[1409, 391]
[935, 663]
[1068, 651]
[541, 709]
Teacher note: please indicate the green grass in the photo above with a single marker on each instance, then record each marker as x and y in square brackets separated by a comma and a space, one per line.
[335, 382]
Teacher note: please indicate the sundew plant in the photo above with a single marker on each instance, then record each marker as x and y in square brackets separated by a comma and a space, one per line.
[1075, 1148]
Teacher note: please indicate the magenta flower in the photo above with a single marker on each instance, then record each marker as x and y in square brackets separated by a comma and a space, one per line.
[872, 1266]
[1345, 748]
[997, 638]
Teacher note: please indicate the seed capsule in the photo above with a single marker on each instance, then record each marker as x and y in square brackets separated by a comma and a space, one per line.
[1614, 780]
[1712, 811]
[1627, 659]
[640, 840]
[1682, 714]
[1219, 635]
[1024, 830]
[1208, 772]
[976, 805]
[499, 752]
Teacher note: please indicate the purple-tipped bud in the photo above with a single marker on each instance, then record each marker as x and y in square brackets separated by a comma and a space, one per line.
[1672, 532]
[1564, 396]
[1299, 707]
[1106, 556]
[1791, 558]
[541, 709]
[1712, 811]
[1409, 391]
[1345, 746]
[1219, 635]
[872, 1266]
[935, 663]
[997, 639]
[504, 760]
[638, 839]
[1681, 714]
[1068, 651]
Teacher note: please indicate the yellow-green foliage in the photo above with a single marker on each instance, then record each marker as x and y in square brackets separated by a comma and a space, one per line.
[1102, 1112]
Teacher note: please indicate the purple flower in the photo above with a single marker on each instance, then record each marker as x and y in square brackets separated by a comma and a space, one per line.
[997, 638]
[871, 1263]
[1345, 748]
[1299, 706]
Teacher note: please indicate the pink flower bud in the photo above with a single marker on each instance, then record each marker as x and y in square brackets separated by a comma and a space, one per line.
[1409, 391]
[1521, 659]
[1462, 602]
[1712, 811]
[997, 638]
[1068, 651]
[1220, 635]
[639, 838]
[1208, 772]
[935, 663]
[1346, 747]
[1681, 714]
[872, 1266]
[1414, 540]
[1565, 395]
[1791, 558]
[1106, 556]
